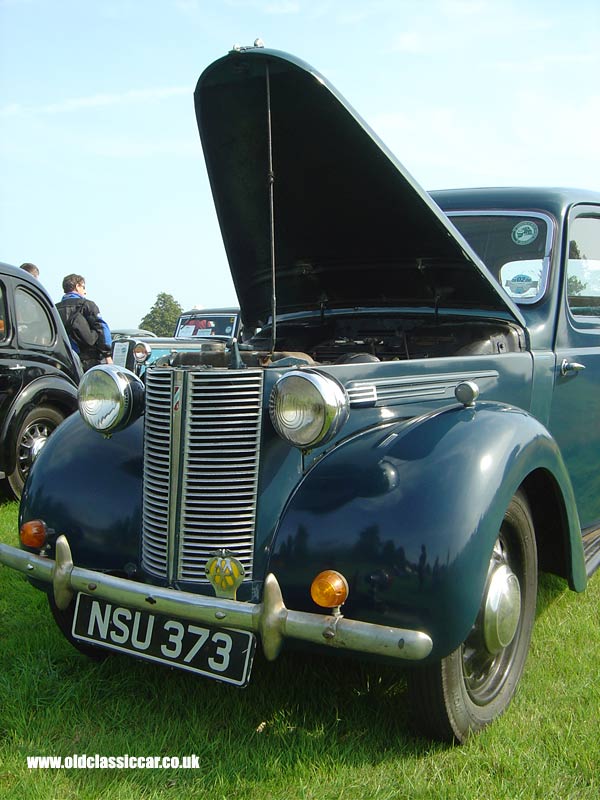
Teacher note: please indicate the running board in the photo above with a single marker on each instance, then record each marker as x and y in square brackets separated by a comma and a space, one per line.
[591, 551]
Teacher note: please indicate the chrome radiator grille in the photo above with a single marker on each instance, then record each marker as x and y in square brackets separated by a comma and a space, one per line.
[201, 455]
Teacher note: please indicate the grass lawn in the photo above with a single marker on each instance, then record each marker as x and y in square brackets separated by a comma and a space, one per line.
[302, 729]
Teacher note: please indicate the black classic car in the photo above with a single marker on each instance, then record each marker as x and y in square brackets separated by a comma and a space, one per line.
[380, 470]
[39, 373]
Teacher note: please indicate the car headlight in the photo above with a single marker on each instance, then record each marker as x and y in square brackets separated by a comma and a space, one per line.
[110, 398]
[141, 352]
[307, 408]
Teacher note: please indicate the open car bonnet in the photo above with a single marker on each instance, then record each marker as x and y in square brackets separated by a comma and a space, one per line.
[306, 193]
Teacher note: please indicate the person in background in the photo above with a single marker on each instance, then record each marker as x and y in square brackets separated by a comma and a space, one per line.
[31, 269]
[89, 333]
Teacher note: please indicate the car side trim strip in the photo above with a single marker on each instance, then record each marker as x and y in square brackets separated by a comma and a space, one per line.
[385, 391]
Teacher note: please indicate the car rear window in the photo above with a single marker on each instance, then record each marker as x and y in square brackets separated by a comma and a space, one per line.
[33, 324]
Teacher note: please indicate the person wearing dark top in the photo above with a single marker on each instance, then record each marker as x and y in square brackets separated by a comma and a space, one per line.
[89, 333]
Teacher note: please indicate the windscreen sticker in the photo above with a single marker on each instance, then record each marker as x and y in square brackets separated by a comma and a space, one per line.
[521, 284]
[525, 232]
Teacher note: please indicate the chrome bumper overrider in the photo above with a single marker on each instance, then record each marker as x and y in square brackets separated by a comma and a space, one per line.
[271, 620]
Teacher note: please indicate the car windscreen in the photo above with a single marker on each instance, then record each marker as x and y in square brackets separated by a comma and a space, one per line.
[206, 325]
[515, 246]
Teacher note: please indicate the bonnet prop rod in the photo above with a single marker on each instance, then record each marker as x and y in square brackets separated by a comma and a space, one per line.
[271, 185]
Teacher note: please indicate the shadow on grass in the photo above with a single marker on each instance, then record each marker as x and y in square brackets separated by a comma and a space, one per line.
[326, 712]
[301, 714]
[550, 588]
[338, 707]
[6, 495]
[324, 709]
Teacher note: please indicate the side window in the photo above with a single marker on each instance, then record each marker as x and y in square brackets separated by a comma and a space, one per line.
[32, 321]
[3, 320]
[583, 267]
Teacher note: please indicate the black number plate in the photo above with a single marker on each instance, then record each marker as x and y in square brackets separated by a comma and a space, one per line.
[224, 654]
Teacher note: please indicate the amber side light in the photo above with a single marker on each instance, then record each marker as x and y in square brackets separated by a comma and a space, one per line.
[329, 589]
[33, 533]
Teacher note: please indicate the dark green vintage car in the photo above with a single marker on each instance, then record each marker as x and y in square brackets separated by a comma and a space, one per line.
[383, 468]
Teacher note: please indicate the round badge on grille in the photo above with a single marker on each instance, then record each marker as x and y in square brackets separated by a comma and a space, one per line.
[225, 574]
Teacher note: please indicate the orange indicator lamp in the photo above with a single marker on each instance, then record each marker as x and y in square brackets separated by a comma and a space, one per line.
[33, 533]
[329, 589]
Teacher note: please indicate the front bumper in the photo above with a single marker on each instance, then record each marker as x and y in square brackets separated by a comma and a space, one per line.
[271, 620]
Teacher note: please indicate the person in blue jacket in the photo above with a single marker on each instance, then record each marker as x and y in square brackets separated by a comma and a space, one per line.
[89, 333]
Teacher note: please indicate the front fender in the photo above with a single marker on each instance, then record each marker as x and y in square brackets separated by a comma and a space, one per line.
[90, 487]
[49, 390]
[409, 514]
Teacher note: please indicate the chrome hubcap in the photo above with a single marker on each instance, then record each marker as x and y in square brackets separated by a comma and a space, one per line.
[502, 609]
[37, 446]
[489, 650]
[34, 439]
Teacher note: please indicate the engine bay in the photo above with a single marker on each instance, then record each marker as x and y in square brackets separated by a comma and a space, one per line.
[346, 339]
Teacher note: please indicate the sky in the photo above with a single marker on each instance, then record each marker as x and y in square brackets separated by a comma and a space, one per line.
[101, 168]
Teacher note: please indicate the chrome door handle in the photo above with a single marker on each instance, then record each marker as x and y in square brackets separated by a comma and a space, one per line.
[568, 367]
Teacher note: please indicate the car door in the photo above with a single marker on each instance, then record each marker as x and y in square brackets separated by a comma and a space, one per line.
[575, 414]
[11, 367]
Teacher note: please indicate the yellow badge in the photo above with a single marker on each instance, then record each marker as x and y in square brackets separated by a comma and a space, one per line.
[225, 574]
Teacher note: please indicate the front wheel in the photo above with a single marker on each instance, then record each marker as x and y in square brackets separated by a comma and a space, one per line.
[31, 437]
[471, 687]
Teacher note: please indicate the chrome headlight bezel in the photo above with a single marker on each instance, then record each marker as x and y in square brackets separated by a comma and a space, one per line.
[308, 408]
[110, 398]
[141, 352]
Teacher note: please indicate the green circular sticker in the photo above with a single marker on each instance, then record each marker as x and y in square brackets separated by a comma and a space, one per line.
[525, 232]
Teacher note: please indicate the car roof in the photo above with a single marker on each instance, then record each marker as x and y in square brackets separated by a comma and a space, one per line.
[207, 311]
[10, 269]
[555, 201]
[131, 332]
[26, 277]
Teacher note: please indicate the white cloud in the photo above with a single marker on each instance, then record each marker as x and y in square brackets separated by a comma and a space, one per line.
[12, 110]
[97, 101]
[442, 146]
[186, 5]
[282, 7]
[409, 42]
[132, 148]
[548, 61]
[464, 7]
[275, 7]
